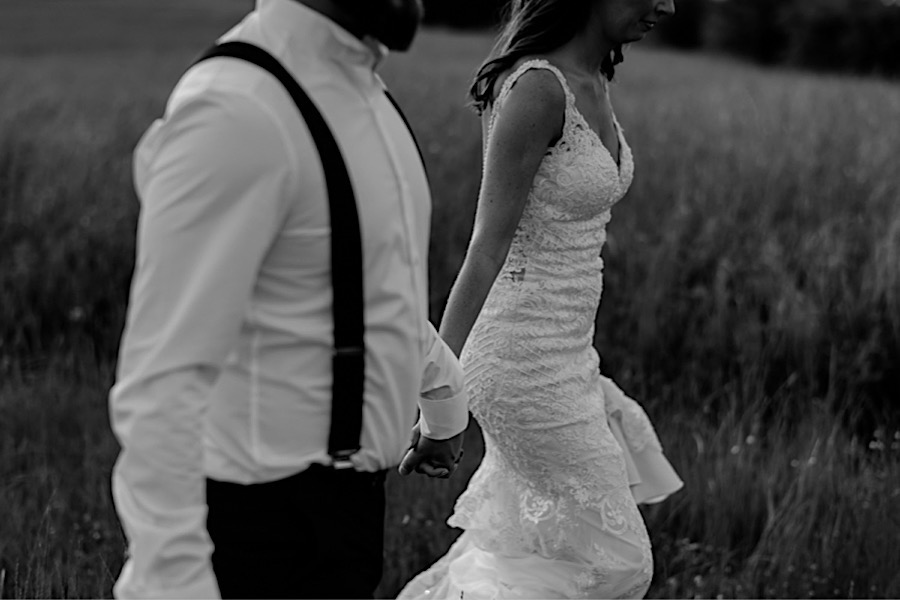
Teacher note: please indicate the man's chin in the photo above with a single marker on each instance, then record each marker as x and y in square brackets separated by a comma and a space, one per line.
[396, 41]
[397, 22]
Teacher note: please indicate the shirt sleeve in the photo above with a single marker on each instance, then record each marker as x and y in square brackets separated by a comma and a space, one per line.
[212, 179]
[443, 402]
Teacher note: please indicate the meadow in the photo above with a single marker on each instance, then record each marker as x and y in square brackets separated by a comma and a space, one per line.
[752, 298]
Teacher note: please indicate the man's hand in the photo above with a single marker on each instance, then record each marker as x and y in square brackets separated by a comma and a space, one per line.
[435, 458]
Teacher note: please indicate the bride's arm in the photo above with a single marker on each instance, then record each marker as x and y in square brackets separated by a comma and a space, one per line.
[530, 120]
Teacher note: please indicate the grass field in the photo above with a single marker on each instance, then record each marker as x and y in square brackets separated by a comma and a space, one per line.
[752, 298]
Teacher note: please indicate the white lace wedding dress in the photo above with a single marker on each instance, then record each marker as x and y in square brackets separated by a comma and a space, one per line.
[552, 510]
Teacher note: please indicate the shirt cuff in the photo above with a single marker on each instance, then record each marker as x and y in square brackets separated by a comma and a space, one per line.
[444, 419]
[204, 586]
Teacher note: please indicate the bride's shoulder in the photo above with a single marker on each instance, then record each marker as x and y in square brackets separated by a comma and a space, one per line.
[531, 81]
[530, 99]
[528, 68]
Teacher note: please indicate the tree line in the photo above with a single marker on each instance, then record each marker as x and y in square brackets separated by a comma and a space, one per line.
[859, 36]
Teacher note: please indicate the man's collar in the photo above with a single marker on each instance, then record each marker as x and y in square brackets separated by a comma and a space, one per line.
[299, 26]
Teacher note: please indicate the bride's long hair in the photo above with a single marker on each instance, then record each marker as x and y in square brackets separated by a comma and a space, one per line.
[534, 27]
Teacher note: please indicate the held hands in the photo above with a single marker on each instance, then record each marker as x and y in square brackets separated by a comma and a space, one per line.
[435, 458]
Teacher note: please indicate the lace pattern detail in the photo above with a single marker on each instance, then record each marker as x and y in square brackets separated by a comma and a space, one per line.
[606, 547]
[534, 382]
[553, 484]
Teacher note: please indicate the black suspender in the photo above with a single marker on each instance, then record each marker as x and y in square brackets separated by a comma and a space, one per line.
[408, 126]
[348, 362]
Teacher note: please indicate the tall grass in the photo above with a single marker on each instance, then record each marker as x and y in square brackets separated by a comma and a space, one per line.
[752, 302]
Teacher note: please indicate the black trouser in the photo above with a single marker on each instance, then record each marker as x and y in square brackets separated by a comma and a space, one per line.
[317, 534]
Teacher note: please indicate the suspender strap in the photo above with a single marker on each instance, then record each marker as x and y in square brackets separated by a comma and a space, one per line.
[408, 126]
[348, 361]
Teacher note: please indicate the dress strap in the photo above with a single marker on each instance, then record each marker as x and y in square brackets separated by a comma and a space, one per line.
[535, 63]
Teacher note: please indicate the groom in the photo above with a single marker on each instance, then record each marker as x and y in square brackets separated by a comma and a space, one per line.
[247, 469]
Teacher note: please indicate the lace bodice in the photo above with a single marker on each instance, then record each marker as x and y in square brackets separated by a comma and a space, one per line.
[576, 185]
[562, 230]
[550, 284]
[578, 167]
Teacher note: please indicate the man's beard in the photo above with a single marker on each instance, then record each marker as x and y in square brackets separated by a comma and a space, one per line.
[393, 22]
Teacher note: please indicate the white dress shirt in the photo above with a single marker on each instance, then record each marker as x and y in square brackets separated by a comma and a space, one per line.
[225, 364]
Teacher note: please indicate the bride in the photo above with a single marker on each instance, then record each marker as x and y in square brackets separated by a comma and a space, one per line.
[552, 510]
